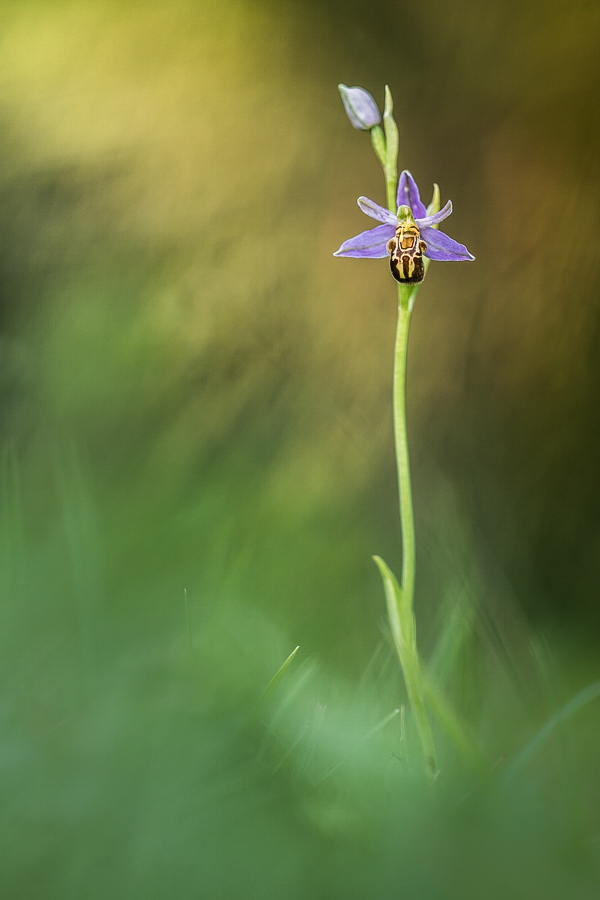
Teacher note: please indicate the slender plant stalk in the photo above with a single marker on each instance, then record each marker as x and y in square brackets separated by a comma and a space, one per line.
[401, 442]
[391, 186]
[402, 609]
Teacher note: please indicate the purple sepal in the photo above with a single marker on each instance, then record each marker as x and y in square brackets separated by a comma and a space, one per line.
[370, 208]
[370, 244]
[443, 248]
[408, 195]
[437, 217]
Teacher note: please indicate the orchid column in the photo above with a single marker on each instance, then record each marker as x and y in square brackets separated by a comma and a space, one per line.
[408, 235]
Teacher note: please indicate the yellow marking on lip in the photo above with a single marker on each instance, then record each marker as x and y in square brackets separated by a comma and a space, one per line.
[406, 251]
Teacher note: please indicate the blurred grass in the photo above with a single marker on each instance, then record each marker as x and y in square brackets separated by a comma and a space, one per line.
[195, 397]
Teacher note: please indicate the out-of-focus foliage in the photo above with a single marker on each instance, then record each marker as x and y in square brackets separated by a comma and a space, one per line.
[195, 396]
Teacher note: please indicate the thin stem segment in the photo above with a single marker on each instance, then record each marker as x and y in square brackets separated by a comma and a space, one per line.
[401, 442]
[402, 610]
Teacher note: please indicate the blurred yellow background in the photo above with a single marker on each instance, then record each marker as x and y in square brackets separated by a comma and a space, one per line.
[174, 180]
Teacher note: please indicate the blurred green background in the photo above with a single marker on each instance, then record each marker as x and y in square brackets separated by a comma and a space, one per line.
[195, 397]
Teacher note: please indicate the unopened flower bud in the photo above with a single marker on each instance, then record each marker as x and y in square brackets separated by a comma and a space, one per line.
[360, 107]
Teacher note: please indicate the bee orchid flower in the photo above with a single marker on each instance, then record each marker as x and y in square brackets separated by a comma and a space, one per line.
[405, 237]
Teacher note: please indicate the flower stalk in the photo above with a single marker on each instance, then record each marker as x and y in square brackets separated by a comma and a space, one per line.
[391, 141]
[403, 609]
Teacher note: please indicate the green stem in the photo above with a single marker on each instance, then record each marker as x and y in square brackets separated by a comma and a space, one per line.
[391, 186]
[390, 167]
[401, 441]
[409, 657]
